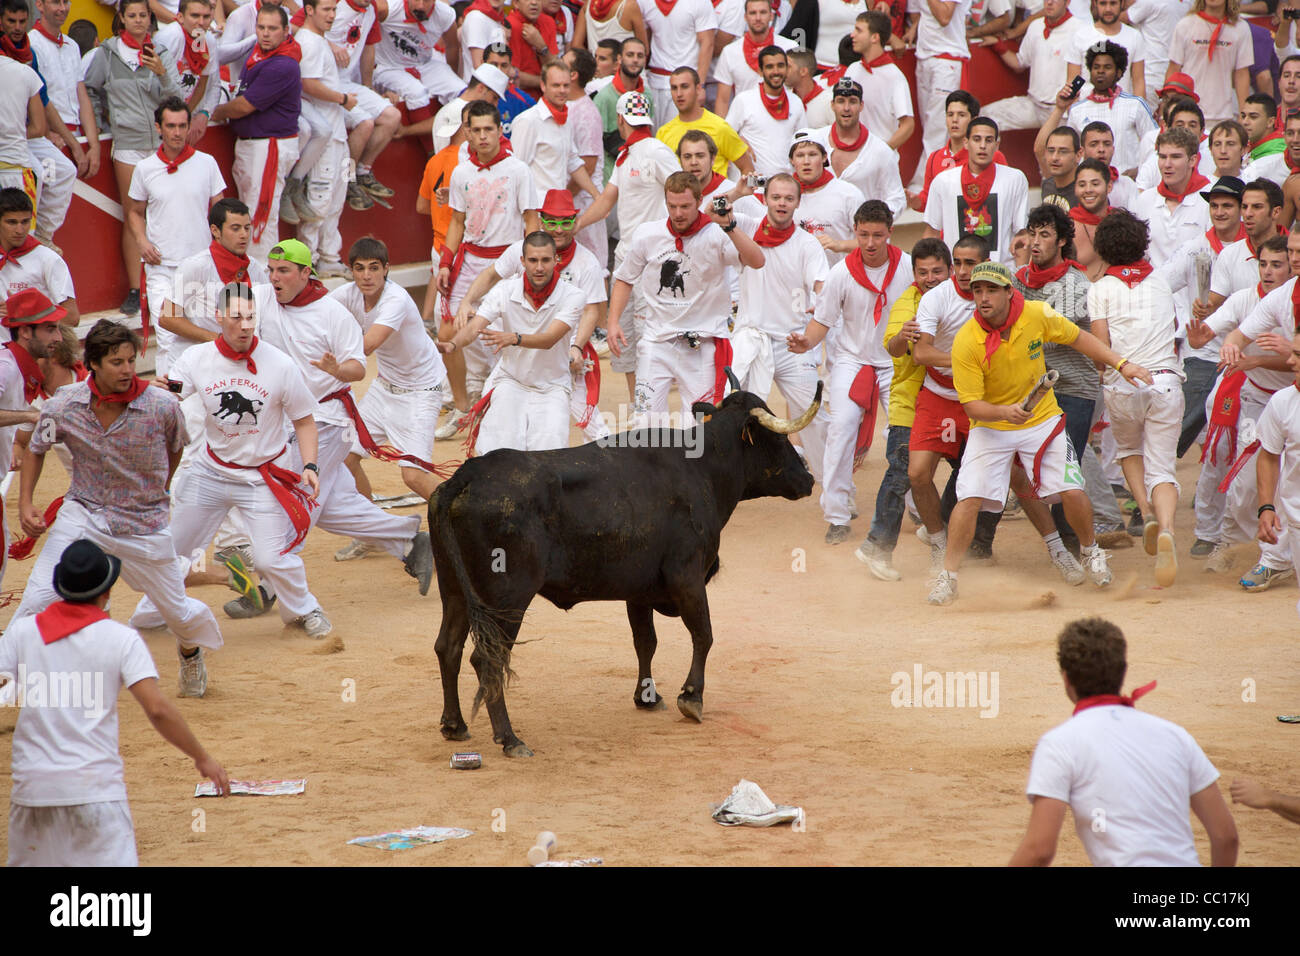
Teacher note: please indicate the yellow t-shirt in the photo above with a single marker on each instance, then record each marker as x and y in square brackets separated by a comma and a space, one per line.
[1015, 367]
[908, 376]
[730, 146]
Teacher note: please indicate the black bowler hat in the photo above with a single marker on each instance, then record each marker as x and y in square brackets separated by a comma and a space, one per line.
[84, 572]
[1226, 186]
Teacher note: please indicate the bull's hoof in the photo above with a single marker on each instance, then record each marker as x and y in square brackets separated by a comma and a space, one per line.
[517, 749]
[460, 732]
[657, 704]
[694, 709]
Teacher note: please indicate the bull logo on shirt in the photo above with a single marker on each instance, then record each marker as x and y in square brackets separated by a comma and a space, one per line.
[354, 34]
[235, 403]
[979, 223]
[671, 277]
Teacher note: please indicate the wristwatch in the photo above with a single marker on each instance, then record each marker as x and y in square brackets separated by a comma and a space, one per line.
[311, 466]
[519, 339]
[730, 226]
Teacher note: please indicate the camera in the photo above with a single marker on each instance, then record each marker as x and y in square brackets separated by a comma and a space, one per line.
[1291, 13]
[755, 181]
[174, 387]
[720, 205]
[1076, 85]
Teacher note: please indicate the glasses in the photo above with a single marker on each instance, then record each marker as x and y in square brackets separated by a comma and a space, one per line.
[549, 223]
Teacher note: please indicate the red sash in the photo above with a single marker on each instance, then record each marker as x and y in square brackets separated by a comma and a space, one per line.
[454, 263]
[1247, 453]
[1224, 417]
[722, 357]
[383, 452]
[24, 546]
[1042, 449]
[865, 393]
[1103, 700]
[63, 618]
[1295, 304]
[592, 381]
[297, 504]
[475, 419]
[270, 173]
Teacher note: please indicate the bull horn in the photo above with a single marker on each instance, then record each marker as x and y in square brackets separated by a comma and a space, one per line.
[783, 426]
[731, 377]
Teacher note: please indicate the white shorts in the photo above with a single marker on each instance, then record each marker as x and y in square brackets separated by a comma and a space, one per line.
[524, 418]
[369, 105]
[660, 365]
[88, 834]
[1147, 420]
[403, 418]
[986, 463]
[132, 157]
[436, 81]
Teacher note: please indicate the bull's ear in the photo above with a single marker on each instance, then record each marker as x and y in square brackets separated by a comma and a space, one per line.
[703, 411]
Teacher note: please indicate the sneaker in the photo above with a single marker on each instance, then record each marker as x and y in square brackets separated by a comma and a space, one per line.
[922, 535]
[419, 560]
[1220, 559]
[288, 207]
[243, 607]
[600, 342]
[1071, 570]
[315, 623]
[452, 426]
[1166, 559]
[1203, 548]
[1261, 578]
[359, 199]
[131, 304]
[1136, 526]
[332, 269]
[1150, 534]
[837, 533]
[1097, 566]
[374, 187]
[1012, 507]
[944, 590]
[878, 561]
[193, 676]
[241, 582]
[978, 551]
[356, 549]
[242, 551]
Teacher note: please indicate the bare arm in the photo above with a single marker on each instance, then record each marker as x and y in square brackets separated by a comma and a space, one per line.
[481, 286]
[237, 108]
[807, 340]
[319, 91]
[172, 318]
[599, 209]
[706, 51]
[1241, 84]
[942, 10]
[304, 430]
[1251, 794]
[745, 162]
[36, 124]
[1212, 811]
[30, 473]
[169, 723]
[378, 335]
[924, 353]
[906, 127]
[1038, 848]
[533, 340]
[723, 99]
[73, 318]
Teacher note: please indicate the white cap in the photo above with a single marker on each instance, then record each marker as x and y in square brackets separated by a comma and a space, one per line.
[492, 77]
[818, 137]
[634, 107]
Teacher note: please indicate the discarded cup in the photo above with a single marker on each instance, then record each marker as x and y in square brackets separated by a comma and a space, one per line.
[542, 848]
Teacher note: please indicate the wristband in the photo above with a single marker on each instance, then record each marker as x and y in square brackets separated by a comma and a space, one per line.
[343, 99]
[311, 466]
[730, 227]
[1120, 364]
[519, 339]
[1263, 508]
[204, 113]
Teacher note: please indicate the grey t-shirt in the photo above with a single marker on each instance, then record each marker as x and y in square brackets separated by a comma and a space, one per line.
[1068, 295]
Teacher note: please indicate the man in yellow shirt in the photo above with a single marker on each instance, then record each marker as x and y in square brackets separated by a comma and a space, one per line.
[997, 361]
[688, 97]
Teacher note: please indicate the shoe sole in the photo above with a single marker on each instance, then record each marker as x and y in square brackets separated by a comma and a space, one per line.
[1150, 537]
[1261, 586]
[1200, 556]
[1166, 560]
[241, 583]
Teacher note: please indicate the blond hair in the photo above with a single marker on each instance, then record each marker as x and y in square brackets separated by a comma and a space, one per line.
[1231, 9]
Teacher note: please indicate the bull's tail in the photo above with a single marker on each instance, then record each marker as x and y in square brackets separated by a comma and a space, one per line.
[485, 624]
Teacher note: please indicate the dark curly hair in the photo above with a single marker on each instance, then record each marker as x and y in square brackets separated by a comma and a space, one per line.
[1092, 651]
[1050, 214]
[1121, 238]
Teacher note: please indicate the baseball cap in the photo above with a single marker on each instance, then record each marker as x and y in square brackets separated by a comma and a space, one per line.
[1182, 84]
[291, 250]
[808, 136]
[994, 272]
[634, 108]
[558, 204]
[492, 77]
[30, 307]
[1226, 186]
[846, 87]
[499, 47]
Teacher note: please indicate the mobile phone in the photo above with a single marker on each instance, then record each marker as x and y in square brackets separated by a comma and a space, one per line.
[174, 387]
[147, 49]
[1076, 85]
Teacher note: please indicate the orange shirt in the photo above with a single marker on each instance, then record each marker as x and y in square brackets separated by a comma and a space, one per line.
[437, 175]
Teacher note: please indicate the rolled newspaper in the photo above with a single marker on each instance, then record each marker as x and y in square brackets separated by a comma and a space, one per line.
[1204, 264]
[1042, 388]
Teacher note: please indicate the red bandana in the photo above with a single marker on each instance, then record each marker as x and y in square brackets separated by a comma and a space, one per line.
[750, 49]
[1131, 274]
[136, 389]
[883, 60]
[288, 48]
[700, 222]
[63, 618]
[1085, 218]
[817, 183]
[1035, 278]
[410, 19]
[230, 267]
[621, 89]
[665, 7]
[599, 10]
[638, 133]
[816, 91]
[175, 164]
[779, 108]
[976, 189]
[505, 150]
[766, 236]
[43, 30]
[196, 56]
[225, 349]
[565, 256]
[311, 292]
[23, 54]
[13, 255]
[538, 297]
[1214, 36]
[1193, 185]
[485, 8]
[559, 115]
[1050, 25]
[1096, 97]
[852, 146]
[716, 180]
[1103, 700]
[1291, 164]
[997, 336]
[965, 295]
[1217, 245]
[33, 377]
[858, 269]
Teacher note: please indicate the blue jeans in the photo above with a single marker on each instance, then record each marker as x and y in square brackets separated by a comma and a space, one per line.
[1196, 389]
[1078, 423]
[894, 487]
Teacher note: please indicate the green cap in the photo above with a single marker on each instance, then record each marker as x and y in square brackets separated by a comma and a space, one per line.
[994, 272]
[291, 250]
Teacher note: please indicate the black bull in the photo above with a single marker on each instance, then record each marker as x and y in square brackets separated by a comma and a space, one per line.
[601, 522]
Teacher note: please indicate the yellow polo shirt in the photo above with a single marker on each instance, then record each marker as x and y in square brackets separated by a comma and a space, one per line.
[1015, 367]
[908, 376]
[730, 146]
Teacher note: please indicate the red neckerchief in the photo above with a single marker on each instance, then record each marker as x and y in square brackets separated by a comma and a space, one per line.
[138, 385]
[858, 269]
[359, 9]
[227, 351]
[1214, 36]
[485, 8]
[976, 189]
[1035, 278]
[817, 183]
[1217, 245]
[599, 10]
[621, 89]
[750, 49]
[565, 256]
[195, 60]
[1291, 164]
[313, 291]
[665, 6]
[849, 147]
[230, 267]
[43, 30]
[834, 75]
[883, 60]
[559, 115]
[700, 222]
[538, 297]
[13, 255]
[1295, 305]
[716, 180]
[778, 109]
[64, 617]
[1085, 218]
[288, 48]
[1103, 700]
[1131, 274]
[638, 133]
[765, 235]
[815, 92]
[410, 19]
[1096, 97]
[969, 297]
[995, 337]
[1193, 185]
[33, 377]
[23, 54]
[502, 153]
[1049, 25]
[174, 164]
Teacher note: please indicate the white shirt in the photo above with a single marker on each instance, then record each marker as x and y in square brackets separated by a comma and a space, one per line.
[1170, 229]
[1047, 59]
[176, 211]
[776, 298]
[247, 416]
[318, 64]
[13, 398]
[1273, 313]
[493, 200]
[404, 45]
[478, 30]
[1140, 321]
[684, 291]
[40, 268]
[640, 181]
[65, 749]
[849, 307]
[886, 98]
[820, 110]
[829, 211]
[675, 36]
[1190, 46]
[1007, 208]
[1273, 167]
[305, 333]
[1236, 268]
[931, 38]
[1138, 770]
[1232, 315]
[834, 20]
[195, 287]
[354, 30]
[508, 309]
[18, 84]
[875, 172]
[583, 271]
[1180, 273]
[545, 147]
[733, 69]
[1157, 19]
[61, 69]
[1278, 433]
[768, 138]
[1149, 172]
[408, 357]
[1129, 120]
[171, 37]
[1128, 37]
[941, 313]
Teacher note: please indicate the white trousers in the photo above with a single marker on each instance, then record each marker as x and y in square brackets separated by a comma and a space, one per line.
[327, 192]
[404, 419]
[660, 365]
[1017, 112]
[88, 834]
[795, 376]
[250, 160]
[315, 131]
[149, 564]
[1240, 514]
[842, 435]
[231, 534]
[528, 419]
[437, 81]
[56, 176]
[159, 286]
[935, 79]
[479, 359]
[661, 99]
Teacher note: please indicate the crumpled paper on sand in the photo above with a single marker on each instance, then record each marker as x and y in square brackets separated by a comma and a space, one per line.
[749, 806]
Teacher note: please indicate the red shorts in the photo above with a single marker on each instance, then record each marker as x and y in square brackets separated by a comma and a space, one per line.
[940, 426]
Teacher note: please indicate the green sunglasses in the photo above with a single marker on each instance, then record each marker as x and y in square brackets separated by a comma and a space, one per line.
[559, 223]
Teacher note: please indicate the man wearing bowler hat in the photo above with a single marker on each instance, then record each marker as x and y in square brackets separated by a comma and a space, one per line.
[63, 667]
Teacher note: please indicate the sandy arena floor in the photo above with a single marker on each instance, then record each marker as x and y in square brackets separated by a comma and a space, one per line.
[799, 699]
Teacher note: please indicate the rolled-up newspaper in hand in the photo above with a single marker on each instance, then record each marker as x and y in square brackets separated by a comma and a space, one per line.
[1042, 388]
[1204, 263]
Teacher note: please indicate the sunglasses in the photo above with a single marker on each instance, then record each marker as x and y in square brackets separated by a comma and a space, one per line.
[558, 223]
